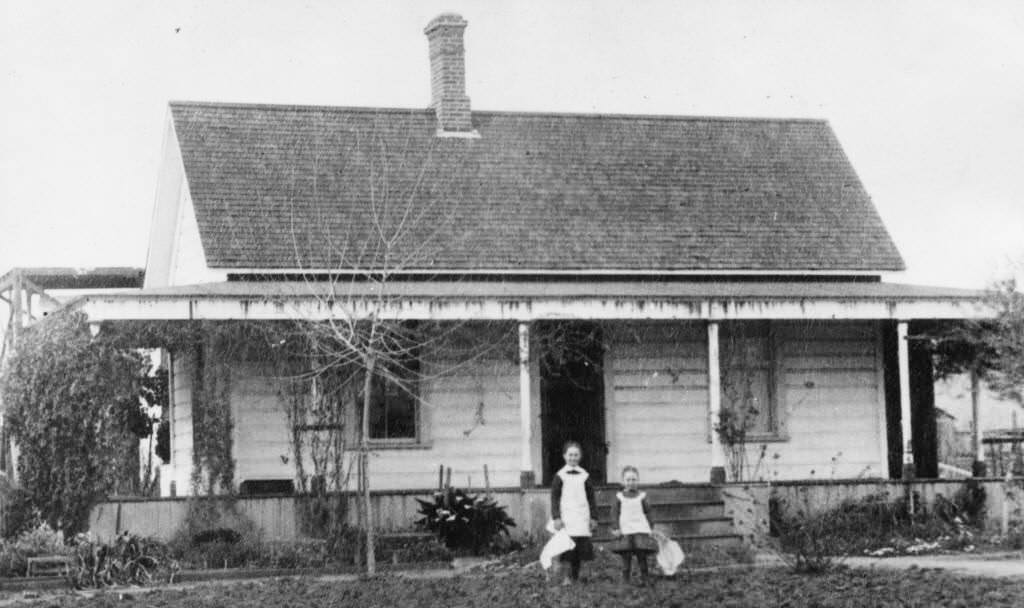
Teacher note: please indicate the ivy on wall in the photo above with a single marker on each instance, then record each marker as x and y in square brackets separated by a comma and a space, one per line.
[213, 463]
[72, 403]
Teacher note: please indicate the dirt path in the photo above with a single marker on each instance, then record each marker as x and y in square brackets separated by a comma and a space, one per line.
[988, 565]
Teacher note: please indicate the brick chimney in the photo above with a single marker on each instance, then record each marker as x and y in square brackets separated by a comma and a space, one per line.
[448, 75]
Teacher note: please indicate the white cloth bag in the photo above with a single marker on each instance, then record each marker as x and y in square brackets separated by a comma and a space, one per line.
[559, 544]
[670, 554]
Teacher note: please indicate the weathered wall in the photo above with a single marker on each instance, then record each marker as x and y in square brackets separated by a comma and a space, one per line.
[657, 401]
[829, 392]
[261, 441]
[832, 403]
[469, 417]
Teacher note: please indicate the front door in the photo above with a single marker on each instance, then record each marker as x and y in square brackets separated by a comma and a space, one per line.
[572, 395]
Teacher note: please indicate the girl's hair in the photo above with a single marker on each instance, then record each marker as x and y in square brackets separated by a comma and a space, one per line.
[571, 444]
[630, 469]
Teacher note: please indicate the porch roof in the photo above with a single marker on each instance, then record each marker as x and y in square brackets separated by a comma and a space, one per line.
[493, 300]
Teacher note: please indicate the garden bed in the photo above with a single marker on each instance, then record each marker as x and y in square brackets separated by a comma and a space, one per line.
[729, 588]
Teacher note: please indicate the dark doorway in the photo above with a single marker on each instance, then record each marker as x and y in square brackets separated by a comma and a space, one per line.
[572, 395]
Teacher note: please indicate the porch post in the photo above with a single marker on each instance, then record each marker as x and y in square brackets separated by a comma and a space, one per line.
[978, 467]
[715, 405]
[526, 475]
[903, 358]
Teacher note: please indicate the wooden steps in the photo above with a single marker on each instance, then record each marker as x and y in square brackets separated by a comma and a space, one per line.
[693, 515]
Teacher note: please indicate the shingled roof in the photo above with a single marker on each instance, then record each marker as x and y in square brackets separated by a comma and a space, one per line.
[286, 187]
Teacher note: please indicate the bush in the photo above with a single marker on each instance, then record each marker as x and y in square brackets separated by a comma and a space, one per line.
[467, 521]
[129, 560]
[876, 525]
[217, 548]
[409, 550]
[38, 540]
[806, 542]
[71, 402]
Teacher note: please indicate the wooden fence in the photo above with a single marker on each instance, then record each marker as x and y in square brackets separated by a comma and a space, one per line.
[279, 517]
[1004, 499]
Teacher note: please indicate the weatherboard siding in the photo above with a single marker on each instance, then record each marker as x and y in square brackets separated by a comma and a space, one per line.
[830, 402]
[657, 406]
[181, 422]
[262, 444]
[469, 417]
[830, 383]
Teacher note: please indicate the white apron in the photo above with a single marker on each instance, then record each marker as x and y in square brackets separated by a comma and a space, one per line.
[631, 514]
[573, 505]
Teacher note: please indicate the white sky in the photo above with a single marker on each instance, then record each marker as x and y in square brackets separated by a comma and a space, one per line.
[927, 98]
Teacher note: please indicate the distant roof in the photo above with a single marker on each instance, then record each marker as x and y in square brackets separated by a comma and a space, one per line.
[278, 187]
[65, 277]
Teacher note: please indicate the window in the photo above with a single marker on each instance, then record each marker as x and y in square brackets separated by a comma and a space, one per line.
[748, 367]
[393, 409]
[393, 400]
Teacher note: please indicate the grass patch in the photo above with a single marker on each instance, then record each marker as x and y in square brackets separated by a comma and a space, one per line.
[731, 588]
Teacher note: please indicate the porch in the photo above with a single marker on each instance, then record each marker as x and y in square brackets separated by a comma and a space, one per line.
[836, 382]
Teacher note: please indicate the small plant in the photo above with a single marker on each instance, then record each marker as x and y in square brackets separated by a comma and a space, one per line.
[467, 521]
[37, 540]
[807, 543]
[129, 560]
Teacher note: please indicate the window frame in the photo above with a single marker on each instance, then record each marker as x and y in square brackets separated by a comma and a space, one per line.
[775, 386]
[416, 439]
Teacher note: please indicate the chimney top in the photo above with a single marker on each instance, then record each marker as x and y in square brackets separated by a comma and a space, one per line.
[445, 19]
[448, 75]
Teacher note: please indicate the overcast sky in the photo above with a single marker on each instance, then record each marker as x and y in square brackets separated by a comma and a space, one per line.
[927, 98]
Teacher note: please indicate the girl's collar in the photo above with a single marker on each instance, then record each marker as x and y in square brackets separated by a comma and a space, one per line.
[576, 468]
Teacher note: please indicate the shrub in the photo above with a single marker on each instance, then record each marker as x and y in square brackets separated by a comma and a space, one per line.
[71, 403]
[129, 560]
[216, 534]
[806, 542]
[38, 540]
[217, 548]
[877, 525]
[413, 550]
[466, 521]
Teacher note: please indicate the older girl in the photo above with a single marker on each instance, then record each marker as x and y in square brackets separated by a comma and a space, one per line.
[573, 507]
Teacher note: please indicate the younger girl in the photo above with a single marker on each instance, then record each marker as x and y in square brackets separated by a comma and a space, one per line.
[573, 507]
[631, 517]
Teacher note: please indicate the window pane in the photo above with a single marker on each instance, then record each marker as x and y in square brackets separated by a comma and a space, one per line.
[378, 412]
[401, 417]
[392, 412]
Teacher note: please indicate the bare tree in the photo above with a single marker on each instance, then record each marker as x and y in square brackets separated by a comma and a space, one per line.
[363, 211]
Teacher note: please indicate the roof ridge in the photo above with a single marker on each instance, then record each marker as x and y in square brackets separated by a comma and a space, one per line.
[521, 113]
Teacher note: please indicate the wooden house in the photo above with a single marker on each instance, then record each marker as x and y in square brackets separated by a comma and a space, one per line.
[686, 250]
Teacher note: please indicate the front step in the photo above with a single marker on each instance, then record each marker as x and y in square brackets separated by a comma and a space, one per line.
[693, 515]
[678, 493]
[703, 509]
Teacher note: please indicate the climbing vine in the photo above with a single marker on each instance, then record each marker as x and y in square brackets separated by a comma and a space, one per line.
[740, 409]
[72, 403]
[213, 464]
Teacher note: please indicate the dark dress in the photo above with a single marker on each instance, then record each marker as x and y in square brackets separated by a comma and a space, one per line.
[639, 544]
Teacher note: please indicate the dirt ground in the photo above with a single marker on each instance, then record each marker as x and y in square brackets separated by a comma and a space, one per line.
[726, 588]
